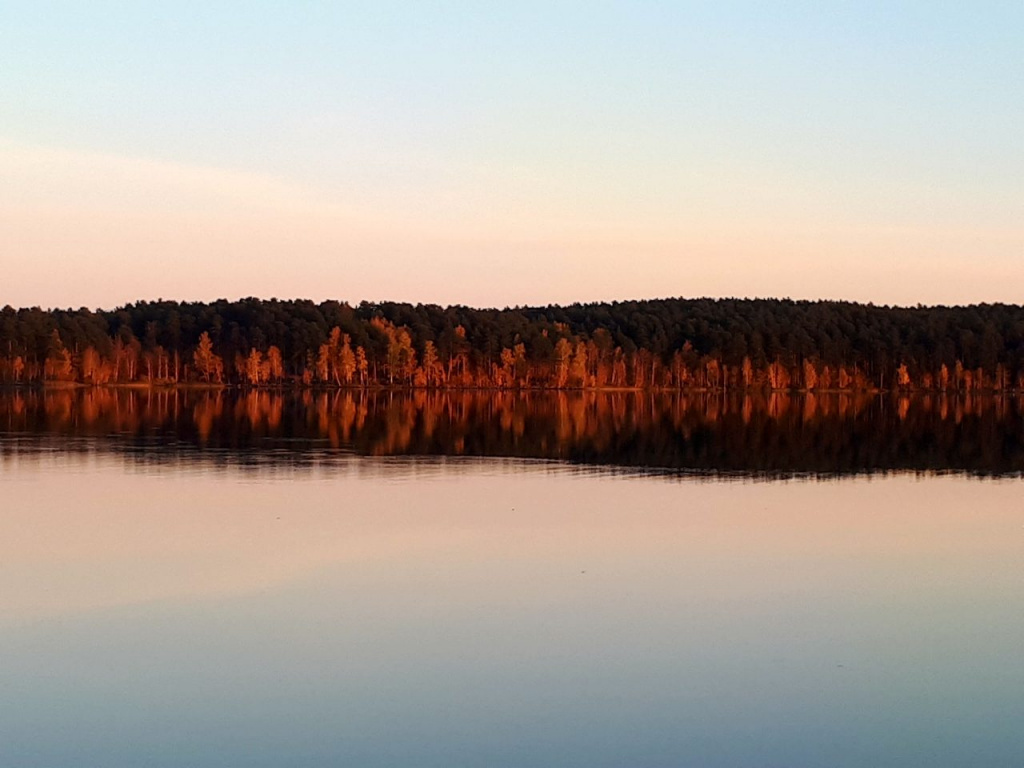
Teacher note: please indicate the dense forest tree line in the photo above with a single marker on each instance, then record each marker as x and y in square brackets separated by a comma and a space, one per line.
[699, 344]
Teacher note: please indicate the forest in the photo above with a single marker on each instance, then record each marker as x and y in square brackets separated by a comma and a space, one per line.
[681, 344]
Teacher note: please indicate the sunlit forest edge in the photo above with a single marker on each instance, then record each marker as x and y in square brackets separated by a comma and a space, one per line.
[668, 344]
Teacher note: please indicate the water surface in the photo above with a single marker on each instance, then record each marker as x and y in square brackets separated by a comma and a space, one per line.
[758, 435]
[246, 591]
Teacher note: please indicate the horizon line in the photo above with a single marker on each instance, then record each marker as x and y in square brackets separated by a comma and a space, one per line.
[507, 307]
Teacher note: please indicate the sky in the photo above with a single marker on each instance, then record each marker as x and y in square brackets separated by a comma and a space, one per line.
[500, 154]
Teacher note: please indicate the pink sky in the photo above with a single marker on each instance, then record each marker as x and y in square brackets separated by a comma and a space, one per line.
[99, 230]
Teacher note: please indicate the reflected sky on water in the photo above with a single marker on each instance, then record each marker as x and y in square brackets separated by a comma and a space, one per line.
[394, 610]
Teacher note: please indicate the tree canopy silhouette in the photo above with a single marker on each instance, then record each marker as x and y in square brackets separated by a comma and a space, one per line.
[667, 343]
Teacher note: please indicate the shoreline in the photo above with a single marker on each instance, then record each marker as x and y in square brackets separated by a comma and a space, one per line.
[289, 388]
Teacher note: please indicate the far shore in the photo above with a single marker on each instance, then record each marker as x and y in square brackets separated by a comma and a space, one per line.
[290, 387]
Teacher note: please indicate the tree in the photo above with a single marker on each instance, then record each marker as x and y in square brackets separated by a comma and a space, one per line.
[431, 365]
[362, 365]
[59, 365]
[275, 364]
[346, 360]
[208, 364]
[578, 366]
[507, 371]
[810, 375]
[254, 367]
[563, 355]
[94, 369]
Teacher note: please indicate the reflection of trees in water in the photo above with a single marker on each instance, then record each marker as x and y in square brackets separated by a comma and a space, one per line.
[776, 433]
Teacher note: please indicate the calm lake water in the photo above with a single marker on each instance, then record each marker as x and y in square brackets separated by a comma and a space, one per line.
[626, 580]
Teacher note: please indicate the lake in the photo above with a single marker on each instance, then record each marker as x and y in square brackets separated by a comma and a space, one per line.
[479, 579]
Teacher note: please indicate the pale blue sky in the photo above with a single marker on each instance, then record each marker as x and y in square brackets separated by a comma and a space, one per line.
[513, 153]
